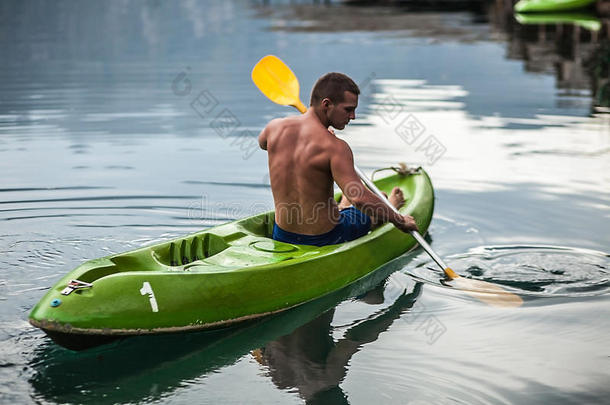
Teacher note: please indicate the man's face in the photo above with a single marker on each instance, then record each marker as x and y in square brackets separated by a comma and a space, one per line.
[341, 113]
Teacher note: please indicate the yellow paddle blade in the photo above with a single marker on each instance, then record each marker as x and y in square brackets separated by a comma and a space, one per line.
[276, 81]
[489, 293]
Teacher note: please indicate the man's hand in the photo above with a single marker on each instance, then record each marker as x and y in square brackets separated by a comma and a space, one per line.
[407, 224]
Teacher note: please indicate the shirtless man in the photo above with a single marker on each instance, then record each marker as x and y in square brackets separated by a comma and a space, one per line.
[305, 158]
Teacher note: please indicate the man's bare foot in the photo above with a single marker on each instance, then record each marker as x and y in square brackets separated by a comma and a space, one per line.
[344, 203]
[397, 198]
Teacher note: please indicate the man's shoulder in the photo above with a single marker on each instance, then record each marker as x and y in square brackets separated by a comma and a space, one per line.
[339, 144]
[274, 123]
[281, 123]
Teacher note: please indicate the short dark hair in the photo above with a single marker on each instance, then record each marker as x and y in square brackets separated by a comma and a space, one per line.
[332, 86]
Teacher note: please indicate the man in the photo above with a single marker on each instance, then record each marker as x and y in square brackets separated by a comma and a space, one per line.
[305, 158]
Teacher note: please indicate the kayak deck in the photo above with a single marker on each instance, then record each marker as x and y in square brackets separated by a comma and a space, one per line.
[533, 6]
[217, 277]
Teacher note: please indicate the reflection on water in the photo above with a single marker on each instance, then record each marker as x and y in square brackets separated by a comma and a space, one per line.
[575, 46]
[431, 25]
[99, 153]
[432, 126]
[314, 363]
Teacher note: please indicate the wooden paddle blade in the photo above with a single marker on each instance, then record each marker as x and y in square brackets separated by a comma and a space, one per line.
[488, 293]
[276, 81]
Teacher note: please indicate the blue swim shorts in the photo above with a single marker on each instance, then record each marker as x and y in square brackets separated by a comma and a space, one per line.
[352, 225]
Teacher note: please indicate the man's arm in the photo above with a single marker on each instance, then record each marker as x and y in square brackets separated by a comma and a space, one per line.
[273, 125]
[342, 168]
[262, 138]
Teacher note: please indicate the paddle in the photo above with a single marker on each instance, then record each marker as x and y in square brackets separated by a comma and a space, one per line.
[276, 81]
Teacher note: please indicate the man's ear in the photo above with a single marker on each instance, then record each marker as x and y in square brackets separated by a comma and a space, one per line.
[326, 102]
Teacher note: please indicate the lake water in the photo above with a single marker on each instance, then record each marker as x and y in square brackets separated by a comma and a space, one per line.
[108, 142]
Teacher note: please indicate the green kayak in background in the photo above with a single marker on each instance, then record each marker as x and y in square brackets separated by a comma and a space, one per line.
[584, 20]
[533, 6]
[217, 277]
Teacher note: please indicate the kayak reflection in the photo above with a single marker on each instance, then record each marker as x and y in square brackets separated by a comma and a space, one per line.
[121, 372]
[310, 360]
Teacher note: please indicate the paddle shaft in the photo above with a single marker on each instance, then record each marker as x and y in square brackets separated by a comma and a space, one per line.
[422, 242]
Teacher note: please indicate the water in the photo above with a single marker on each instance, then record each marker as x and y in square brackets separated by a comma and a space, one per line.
[108, 142]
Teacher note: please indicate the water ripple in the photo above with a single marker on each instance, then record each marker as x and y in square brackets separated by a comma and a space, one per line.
[535, 271]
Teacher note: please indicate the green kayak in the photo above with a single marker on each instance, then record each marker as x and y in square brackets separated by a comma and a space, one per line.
[217, 277]
[534, 6]
[584, 20]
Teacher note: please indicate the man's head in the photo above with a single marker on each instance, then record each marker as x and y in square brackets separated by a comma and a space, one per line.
[335, 96]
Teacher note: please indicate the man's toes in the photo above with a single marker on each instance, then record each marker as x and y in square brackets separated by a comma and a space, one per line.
[396, 193]
[397, 198]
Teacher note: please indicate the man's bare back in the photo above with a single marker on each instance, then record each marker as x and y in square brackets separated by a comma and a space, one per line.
[300, 151]
[306, 159]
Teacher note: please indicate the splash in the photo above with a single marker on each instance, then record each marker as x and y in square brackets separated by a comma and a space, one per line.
[538, 271]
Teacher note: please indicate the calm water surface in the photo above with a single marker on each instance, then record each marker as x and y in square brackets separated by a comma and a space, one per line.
[108, 142]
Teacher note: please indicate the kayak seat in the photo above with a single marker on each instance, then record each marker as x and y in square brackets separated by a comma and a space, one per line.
[259, 225]
[190, 249]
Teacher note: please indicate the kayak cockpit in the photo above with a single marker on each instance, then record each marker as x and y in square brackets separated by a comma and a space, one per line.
[203, 251]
